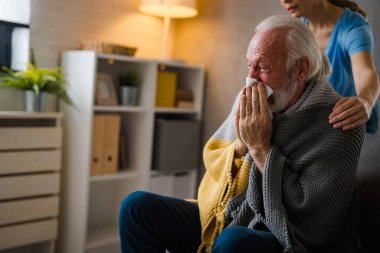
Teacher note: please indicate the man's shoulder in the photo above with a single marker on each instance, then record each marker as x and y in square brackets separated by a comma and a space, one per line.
[321, 95]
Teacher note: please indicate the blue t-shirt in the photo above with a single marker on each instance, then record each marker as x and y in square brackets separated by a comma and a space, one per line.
[351, 34]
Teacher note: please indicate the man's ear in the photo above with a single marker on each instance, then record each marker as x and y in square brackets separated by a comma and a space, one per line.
[303, 67]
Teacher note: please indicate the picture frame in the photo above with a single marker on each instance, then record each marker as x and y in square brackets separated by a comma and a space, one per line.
[105, 90]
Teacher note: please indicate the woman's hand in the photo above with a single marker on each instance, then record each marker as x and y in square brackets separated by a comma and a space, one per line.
[350, 112]
[254, 123]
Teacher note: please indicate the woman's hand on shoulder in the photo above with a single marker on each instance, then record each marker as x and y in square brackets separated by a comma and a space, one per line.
[349, 113]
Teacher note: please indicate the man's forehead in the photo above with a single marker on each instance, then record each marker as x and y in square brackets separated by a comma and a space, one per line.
[270, 42]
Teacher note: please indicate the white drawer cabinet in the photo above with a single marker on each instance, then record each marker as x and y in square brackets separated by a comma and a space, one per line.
[30, 167]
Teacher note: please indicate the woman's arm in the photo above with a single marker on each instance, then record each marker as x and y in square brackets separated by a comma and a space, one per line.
[350, 112]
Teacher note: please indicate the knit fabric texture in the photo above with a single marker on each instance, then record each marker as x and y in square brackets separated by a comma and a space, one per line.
[218, 185]
[307, 195]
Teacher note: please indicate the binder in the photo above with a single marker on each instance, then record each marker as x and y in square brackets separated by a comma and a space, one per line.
[105, 146]
[166, 89]
[97, 145]
[111, 144]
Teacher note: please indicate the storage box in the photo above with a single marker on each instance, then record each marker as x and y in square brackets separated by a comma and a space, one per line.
[166, 89]
[176, 145]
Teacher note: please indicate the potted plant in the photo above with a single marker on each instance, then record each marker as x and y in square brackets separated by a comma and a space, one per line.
[129, 82]
[36, 83]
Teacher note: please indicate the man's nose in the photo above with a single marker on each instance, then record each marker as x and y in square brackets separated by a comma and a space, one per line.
[252, 73]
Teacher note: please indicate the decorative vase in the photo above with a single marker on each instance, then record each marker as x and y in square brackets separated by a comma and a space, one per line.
[33, 102]
[129, 95]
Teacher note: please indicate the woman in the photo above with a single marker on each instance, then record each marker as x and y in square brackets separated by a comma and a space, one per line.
[343, 32]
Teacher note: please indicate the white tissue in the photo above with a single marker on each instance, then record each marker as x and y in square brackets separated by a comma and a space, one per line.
[250, 81]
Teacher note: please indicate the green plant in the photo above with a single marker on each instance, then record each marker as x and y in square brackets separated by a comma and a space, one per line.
[129, 78]
[37, 80]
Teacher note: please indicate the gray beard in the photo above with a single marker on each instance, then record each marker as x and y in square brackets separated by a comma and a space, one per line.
[282, 97]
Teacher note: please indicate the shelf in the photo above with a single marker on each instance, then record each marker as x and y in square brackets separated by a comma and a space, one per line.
[170, 172]
[102, 237]
[30, 115]
[122, 58]
[128, 174]
[178, 64]
[175, 110]
[97, 198]
[170, 63]
[118, 108]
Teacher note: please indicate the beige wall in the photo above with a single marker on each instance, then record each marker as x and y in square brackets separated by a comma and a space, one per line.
[58, 25]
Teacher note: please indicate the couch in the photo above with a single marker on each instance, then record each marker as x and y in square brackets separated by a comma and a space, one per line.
[369, 194]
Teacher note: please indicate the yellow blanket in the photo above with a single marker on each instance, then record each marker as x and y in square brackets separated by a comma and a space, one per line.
[218, 184]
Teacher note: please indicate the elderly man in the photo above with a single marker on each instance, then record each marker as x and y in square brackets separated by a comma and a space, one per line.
[279, 177]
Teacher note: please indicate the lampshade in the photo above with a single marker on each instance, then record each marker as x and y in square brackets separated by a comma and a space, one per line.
[171, 8]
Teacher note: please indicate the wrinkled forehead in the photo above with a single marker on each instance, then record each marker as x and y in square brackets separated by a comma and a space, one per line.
[269, 44]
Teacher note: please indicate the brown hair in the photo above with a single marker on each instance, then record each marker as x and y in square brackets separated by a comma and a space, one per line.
[349, 4]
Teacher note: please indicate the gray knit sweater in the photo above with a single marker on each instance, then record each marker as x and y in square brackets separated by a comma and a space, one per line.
[307, 195]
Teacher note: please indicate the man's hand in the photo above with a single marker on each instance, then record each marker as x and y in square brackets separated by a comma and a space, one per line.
[254, 123]
[240, 147]
[350, 112]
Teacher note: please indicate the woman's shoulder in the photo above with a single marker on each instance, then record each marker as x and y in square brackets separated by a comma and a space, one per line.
[352, 26]
[351, 19]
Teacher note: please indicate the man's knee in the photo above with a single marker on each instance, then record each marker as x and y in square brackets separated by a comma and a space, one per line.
[135, 203]
[227, 240]
[239, 239]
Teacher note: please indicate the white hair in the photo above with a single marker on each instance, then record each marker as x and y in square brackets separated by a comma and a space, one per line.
[300, 43]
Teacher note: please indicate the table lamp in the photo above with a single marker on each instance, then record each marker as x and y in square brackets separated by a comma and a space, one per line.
[168, 9]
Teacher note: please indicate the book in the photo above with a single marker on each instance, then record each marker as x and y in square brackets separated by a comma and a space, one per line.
[184, 98]
[182, 94]
[185, 104]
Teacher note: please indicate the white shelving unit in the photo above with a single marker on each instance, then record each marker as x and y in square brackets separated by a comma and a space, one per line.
[90, 204]
[30, 173]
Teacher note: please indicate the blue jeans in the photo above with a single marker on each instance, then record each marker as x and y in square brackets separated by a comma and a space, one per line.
[150, 223]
